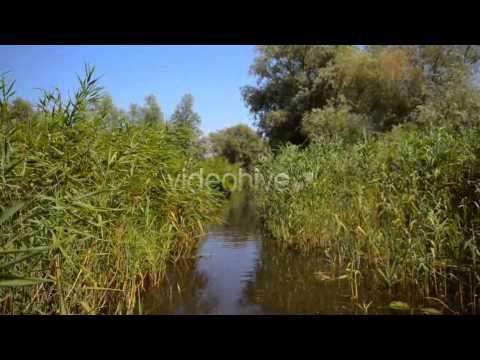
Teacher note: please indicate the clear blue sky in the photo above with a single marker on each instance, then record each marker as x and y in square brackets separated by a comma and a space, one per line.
[213, 74]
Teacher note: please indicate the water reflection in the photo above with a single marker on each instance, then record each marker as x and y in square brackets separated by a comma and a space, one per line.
[213, 283]
[181, 292]
[285, 283]
[238, 273]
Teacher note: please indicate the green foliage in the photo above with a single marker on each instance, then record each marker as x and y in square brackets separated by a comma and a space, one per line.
[334, 121]
[217, 167]
[152, 112]
[291, 82]
[455, 100]
[110, 114]
[403, 207]
[238, 144]
[385, 86]
[89, 212]
[21, 110]
[437, 61]
[185, 117]
[134, 113]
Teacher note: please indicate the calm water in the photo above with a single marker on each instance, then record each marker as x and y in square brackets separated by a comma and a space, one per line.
[238, 273]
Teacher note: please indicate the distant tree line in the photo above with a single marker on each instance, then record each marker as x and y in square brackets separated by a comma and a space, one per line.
[149, 113]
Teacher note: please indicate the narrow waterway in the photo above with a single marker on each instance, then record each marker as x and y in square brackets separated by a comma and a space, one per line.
[236, 272]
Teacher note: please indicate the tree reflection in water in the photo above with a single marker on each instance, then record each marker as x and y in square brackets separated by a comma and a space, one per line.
[238, 273]
[183, 292]
[285, 283]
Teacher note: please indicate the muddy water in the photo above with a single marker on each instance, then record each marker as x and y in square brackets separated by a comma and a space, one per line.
[236, 272]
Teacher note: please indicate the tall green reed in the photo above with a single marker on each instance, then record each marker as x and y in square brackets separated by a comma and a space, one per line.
[401, 210]
[89, 214]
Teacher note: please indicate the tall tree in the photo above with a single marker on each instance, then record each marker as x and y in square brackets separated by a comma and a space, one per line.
[134, 113]
[238, 144]
[185, 117]
[382, 84]
[107, 110]
[152, 113]
[303, 89]
[20, 109]
[291, 81]
[436, 60]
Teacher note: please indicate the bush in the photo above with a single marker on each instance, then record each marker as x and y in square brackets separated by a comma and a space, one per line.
[334, 121]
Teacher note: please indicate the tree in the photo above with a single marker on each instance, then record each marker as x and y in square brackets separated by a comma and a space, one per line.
[185, 117]
[382, 84]
[152, 113]
[291, 81]
[300, 86]
[439, 63]
[108, 111]
[134, 113]
[451, 83]
[336, 119]
[21, 110]
[238, 144]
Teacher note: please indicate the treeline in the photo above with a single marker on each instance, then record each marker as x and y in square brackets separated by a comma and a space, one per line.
[238, 144]
[103, 106]
[380, 145]
[309, 90]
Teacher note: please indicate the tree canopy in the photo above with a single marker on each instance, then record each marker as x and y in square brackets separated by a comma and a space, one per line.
[238, 144]
[302, 90]
[152, 112]
[185, 116]
[21, 109]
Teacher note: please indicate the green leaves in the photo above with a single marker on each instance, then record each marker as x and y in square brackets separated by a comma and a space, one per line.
[403, 207]
[6, 90]
[7, 279]
[431, 311]
[399, 305]
[15, 281]
[238, 144]
[12, 210]
[386, 85]
[185, 119]
[402, 306]
[91, 227]
[20, 259]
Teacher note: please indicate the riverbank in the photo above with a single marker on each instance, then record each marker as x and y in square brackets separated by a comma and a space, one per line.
[89, 212]
[399, 211]
[236, 270]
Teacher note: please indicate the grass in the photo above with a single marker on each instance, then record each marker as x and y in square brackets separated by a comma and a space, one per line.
[89, 214]
[401, 210]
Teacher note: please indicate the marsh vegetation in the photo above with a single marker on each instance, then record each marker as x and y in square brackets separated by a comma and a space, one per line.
[90, 213]
[377, 149]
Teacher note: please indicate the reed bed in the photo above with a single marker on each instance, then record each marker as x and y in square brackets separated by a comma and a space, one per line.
[89, 212]
[400, 210]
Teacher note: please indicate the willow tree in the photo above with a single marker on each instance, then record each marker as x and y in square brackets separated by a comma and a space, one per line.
[238, 144]
[291, 80]
[305, 90]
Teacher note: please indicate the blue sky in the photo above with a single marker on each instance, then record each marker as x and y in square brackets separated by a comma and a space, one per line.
[213, 74]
